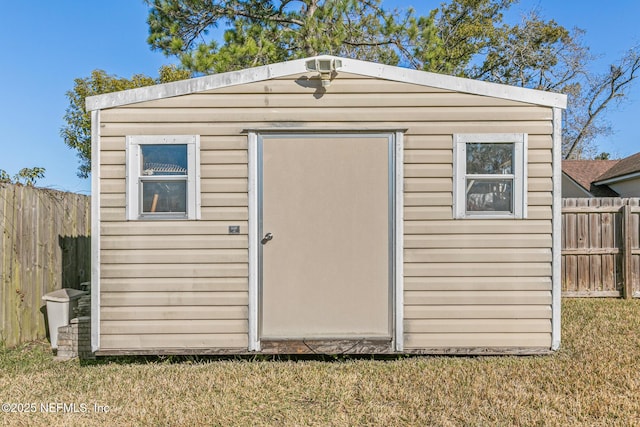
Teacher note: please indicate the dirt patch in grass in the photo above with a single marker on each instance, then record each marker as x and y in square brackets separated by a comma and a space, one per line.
[593, 380]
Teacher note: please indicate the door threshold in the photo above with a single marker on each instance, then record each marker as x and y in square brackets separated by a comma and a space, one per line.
[327, 346]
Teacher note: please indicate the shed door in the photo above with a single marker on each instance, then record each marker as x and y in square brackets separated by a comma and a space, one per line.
[325, 271]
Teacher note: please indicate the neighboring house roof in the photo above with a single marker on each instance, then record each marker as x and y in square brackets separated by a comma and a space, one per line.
[624, 169]
[586, 172]
[594, 176]
[353, 66]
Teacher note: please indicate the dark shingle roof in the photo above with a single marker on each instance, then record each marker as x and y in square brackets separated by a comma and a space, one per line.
[585, 172]
[623, 167]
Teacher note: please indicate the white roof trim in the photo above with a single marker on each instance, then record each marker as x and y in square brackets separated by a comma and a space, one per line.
[620, 178]
[353, 66]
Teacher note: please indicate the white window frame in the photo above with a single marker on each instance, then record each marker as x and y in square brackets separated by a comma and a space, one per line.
[519, 175]
[133, 185]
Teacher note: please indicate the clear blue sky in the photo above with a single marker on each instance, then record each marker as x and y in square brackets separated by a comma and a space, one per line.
[46, 44]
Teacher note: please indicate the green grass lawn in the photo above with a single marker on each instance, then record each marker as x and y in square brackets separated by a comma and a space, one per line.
[593, 380]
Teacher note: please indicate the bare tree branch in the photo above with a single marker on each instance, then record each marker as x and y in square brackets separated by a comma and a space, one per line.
[608, 88]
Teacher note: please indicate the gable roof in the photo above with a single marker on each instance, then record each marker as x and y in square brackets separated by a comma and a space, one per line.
[626, 168]
[585, 172]
[353, 66]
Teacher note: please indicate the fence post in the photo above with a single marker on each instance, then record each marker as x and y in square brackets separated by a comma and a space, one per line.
[627, 254]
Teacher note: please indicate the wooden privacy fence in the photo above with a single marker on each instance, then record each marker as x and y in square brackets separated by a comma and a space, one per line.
[601, 247]
[45, 246]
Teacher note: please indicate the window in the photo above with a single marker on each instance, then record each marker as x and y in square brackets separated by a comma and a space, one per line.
[163, 178]
[489, 175]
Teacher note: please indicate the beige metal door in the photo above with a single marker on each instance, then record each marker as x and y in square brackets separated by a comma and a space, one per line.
[325, 260]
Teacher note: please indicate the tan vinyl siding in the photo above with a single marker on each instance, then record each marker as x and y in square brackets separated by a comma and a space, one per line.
[175, 313]
[165, 341]
[142, 299]
[177, 242]
[207, 326]
[456, 326]
[475, 241]
[474, 269]
[482, 297]
[468, 283]
[422, 128]
[487, 255]
[166, 256]
[166, 284]
[473, 313]
[176, 284]
[505, 227]
[177, 270]
[473, 339]
[475, 283]
[352, 114]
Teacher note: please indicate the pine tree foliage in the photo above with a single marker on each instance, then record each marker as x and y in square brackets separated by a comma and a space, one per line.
[466, 38]
[77, 131]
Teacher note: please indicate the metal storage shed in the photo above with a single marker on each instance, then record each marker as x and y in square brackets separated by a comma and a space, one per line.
[326, 205]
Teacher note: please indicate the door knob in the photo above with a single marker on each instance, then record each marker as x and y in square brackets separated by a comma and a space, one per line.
[266, 238]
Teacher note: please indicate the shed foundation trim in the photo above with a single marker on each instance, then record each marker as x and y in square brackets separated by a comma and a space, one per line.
[481, 351]
[330, 347]
[161, 351]
[337, 346]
